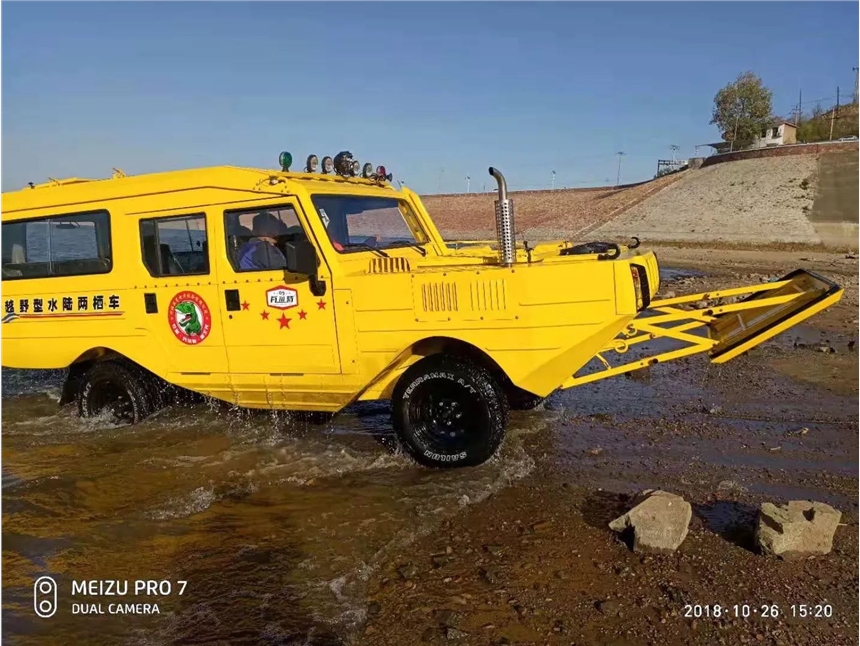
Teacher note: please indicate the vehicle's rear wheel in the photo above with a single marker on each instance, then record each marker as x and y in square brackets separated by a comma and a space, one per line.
[127, 392]
[449, 412]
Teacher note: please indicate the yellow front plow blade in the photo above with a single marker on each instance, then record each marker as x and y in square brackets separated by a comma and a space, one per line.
[723, 331]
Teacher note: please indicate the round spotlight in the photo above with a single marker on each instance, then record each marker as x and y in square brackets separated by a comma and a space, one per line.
[343, 164]
[285, 160]
[312, 164]
[380, 174]
[367, 170]
[327, 165]
[356, 168]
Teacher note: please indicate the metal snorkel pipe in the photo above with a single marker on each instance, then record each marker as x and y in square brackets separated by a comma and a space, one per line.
[504, 221]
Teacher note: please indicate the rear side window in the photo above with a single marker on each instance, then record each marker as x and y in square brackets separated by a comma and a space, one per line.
[62, 245]
[175, 246]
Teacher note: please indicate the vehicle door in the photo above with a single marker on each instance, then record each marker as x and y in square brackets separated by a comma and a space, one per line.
[279, 334]
[180, 292]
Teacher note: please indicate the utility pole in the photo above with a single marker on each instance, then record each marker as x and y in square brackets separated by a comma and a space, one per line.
[620, 154]
[855, 70]
[552, 185]
[833, 113]
[675, 148]
[799, 113]
[468, 183]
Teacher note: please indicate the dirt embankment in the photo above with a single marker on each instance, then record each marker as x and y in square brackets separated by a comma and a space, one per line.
[751, 200]
[539, 214]
[809, 200]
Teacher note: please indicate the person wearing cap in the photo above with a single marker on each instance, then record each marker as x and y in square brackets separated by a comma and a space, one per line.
[261, 251]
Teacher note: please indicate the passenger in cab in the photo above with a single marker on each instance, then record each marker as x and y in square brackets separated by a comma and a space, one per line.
[261, 251]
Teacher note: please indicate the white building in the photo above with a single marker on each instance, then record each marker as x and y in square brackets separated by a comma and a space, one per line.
[778, 134]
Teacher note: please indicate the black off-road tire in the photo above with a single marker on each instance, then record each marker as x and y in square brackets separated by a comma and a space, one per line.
[449, 412]
[128, 391]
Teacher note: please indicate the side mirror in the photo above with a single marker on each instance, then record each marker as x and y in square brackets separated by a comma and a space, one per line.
[301, 257]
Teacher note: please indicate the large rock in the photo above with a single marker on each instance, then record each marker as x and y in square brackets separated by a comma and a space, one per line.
[659, 521]
[800, 528]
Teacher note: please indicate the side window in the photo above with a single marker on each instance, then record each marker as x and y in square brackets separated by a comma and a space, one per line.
[175, 246]
[63, 245]
[256, 238]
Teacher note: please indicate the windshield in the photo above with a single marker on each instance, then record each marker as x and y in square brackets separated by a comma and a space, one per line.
[354, 223]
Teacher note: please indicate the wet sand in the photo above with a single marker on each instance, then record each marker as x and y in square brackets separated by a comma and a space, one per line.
[294, 535]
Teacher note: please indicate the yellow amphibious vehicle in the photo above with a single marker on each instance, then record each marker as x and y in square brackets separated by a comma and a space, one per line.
[309, 291]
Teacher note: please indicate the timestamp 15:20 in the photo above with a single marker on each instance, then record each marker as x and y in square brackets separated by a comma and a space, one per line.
[765, 611]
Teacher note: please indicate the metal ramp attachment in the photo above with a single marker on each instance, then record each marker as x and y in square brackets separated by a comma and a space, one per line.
[723, 331]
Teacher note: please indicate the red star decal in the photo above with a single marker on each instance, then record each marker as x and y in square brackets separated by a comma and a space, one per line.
[264, 316]
[303, 315]
[321, 304]
[284, 321]
[245, 305]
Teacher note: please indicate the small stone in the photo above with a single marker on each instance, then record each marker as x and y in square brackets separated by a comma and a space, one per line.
[774, 449]
[407, 571]
[489, 574]
[448, 618]
[373, 609]
[800, 528]
[449, 550]
[609, 607]
[731, 485]
[369, 630]
[455, 633]
[439, 560]
[659, 520]
[493, 549]
[595, 451]
[542, 526]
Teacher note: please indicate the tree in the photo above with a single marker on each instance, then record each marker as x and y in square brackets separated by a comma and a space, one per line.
[742, 109]
[815, 126]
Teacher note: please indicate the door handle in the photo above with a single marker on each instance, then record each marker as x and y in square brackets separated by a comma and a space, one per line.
[231, 297]
[150, 303]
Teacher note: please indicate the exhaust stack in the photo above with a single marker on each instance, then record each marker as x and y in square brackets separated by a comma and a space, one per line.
[504, 221]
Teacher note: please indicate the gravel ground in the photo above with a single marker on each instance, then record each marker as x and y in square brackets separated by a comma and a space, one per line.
[754, 200]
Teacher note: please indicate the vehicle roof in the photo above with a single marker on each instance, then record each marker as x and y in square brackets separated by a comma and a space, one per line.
[77, 191]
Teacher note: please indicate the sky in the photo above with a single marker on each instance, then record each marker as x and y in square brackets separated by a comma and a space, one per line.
[435, 92]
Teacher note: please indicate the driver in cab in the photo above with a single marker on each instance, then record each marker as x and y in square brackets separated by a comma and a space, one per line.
[261, 251]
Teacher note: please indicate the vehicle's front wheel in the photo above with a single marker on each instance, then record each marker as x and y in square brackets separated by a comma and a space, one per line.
[449, 412]
[125, 391]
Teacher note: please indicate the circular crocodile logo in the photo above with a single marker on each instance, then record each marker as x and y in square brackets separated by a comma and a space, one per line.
[189, 318]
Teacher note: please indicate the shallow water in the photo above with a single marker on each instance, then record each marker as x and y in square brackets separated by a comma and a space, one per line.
[275, 528]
